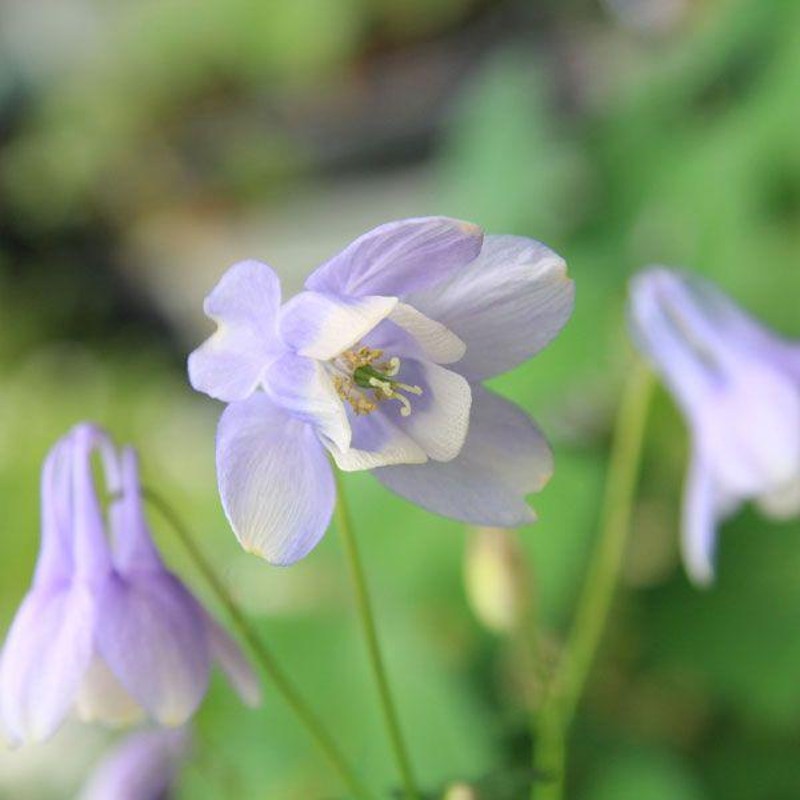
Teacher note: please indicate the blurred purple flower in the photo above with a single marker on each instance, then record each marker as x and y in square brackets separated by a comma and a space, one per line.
[738, 385]
[105, 629]
[142, 767]
[380, 362]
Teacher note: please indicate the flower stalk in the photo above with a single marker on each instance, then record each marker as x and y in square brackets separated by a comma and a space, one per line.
[263, 655]
[377, 665]
[566, 686]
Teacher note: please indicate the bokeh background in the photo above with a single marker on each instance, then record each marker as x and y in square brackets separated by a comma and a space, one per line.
[146, 145]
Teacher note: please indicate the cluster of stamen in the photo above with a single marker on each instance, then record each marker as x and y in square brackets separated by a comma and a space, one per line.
[364, 380]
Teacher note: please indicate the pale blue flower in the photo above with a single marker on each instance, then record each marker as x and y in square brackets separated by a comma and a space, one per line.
[738, 385]
[143, 766]
[379, 364]
[106, 630]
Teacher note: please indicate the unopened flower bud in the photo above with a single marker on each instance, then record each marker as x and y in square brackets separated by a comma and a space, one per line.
[497, 578]
[460, 791]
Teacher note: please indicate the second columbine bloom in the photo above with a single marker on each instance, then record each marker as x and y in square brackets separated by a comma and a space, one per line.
[379, 363]
[106, 630]
[738, 385]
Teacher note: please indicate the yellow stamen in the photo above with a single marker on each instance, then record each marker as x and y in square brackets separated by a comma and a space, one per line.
[360, 372]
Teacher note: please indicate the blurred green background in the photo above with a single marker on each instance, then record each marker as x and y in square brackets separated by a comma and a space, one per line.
[146, 145]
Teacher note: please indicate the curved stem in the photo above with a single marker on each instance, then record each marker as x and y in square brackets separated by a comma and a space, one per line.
[373, 647]
[566, 687]
[263, 655]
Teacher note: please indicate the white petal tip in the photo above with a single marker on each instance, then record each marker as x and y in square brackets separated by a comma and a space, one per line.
[701, 579]
[279, 559]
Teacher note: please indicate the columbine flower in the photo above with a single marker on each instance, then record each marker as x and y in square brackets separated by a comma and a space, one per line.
[142, 767]
[105, 629]
[380, 362]
[739, 386]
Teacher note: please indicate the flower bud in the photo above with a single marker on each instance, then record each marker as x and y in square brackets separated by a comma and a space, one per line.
[460, 791]
[498, 581]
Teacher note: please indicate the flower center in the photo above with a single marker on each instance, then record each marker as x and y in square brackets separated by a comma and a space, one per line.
[364, 380]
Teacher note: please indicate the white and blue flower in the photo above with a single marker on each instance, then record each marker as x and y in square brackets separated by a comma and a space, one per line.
[379, 363]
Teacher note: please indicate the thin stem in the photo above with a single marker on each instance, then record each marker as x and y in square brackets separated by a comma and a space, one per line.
[260, 650]
[562, 697]
[373, 647]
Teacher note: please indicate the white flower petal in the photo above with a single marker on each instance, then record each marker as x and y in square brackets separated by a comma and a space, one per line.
[322, 326]
[436, 342]
[376, 442]
[439, 417]
[504, 457]
[302, 387]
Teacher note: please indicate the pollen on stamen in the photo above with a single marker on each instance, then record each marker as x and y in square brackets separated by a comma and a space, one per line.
[363, 372]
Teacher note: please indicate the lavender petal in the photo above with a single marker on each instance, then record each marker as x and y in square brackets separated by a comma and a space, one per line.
[276, 483]
[400, 257]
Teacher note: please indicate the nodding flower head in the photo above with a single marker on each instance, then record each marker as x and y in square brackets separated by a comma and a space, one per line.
[105, 631]
[379, 363]
[738, 385]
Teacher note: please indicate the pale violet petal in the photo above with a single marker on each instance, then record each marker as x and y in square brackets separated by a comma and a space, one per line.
[46, 654]
[400, 257]
[665, 333]
[55, 563]
[436, 342]
[717, 317]
[226, 652]
[503, 458]
[244, 304]
[142, 767]
[91, 551]
[505, 306]
[438, 418]
[303, 388]
[151, 634]
[749, 428]
[322, 326]
[133, 547]
[705, 506]
[275, 481]
[377, 441]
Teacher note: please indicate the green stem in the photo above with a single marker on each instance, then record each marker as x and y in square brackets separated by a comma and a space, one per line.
[373, 647]
[261, 652]
[566, 687]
